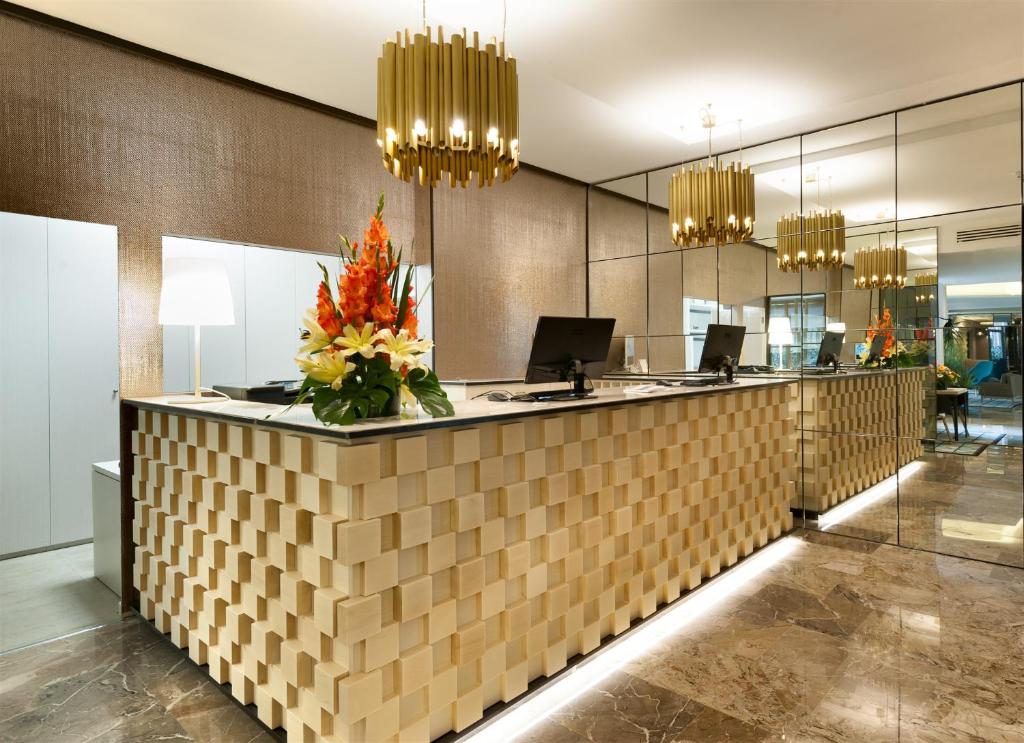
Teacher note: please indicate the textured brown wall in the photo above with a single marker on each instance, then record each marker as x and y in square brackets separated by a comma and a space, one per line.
[501, 258]
[618, 225]
[95, 132]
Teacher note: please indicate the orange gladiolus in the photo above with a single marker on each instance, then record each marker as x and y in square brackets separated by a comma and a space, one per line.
[364, 288]
[326, 312]
[883, 327]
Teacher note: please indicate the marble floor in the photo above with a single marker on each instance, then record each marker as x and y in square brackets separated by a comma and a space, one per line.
[123, 682]
[843, 640]
[49, 594]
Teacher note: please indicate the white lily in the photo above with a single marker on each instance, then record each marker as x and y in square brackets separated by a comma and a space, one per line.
[355, 340]
[408, 399]
[402, 350]
[317, 338]
[327, 367]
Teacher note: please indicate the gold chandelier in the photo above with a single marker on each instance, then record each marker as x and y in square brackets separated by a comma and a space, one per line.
[884, 267]
[812, 242]
[446, 107]
[708, 206]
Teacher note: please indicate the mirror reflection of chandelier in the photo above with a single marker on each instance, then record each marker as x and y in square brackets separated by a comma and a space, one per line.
[708, 205]
[445, 107]
[883, 267]
[812, 242]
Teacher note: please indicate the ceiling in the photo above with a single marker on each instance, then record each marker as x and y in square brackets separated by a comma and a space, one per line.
[605, 85]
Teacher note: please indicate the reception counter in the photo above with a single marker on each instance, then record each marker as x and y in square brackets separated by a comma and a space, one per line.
[392, 580]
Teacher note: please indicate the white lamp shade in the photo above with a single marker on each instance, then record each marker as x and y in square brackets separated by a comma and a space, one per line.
[780, 332]
[195, 291]
[836, 327]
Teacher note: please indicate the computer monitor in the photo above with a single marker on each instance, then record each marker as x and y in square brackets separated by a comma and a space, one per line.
[569, 349]
[722, 347]
[877, 345]
[830, 349]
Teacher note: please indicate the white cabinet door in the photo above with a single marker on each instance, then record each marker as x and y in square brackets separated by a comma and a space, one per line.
[83, 368]
[271, 325]
[24, 385]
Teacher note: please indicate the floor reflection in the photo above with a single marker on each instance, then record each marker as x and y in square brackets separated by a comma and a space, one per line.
[966, 506]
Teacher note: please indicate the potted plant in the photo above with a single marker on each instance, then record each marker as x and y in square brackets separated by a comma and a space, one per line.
[945, 377]
[360, 353]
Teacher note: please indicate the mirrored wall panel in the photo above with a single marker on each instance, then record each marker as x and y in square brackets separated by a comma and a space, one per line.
[883, 277]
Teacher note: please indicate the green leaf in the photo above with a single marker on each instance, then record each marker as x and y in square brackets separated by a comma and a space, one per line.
[422, 293]
[380, 206]
[403, 303]
[330, 406]
[426, 388]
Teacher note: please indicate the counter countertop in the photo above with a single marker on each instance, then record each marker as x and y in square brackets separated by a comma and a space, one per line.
[792, 375]
[467, 412]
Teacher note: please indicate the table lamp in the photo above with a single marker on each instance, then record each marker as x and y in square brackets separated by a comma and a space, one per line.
[195, 292]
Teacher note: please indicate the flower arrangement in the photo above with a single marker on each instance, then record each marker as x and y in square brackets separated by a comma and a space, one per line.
[894, 353]
[945, 377]
[360, 353]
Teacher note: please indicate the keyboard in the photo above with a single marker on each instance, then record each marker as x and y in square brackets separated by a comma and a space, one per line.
[704, 382]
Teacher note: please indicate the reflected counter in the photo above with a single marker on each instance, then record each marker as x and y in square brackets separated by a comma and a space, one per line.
[857, 429]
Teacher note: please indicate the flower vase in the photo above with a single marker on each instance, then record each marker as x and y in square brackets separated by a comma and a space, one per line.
[390, 409]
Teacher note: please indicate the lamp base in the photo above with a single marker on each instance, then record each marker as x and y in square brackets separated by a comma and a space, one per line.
[185, 399]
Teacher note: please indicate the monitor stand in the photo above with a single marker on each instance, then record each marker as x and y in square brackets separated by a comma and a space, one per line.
[730, 376]
[578, 391]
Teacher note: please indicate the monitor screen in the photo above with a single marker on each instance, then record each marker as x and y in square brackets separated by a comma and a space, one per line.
[559, 342]
[721, 341]
[831, 347]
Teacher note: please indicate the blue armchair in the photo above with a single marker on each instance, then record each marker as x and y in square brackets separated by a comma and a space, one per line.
[978, 373]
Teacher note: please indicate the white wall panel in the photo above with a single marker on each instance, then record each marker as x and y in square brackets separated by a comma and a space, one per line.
[424, 304]
[271, 321]
[24, 385]
[83, 363]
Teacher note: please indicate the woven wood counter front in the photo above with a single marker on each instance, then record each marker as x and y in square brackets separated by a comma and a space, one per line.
[395, 588]
[857, 430]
